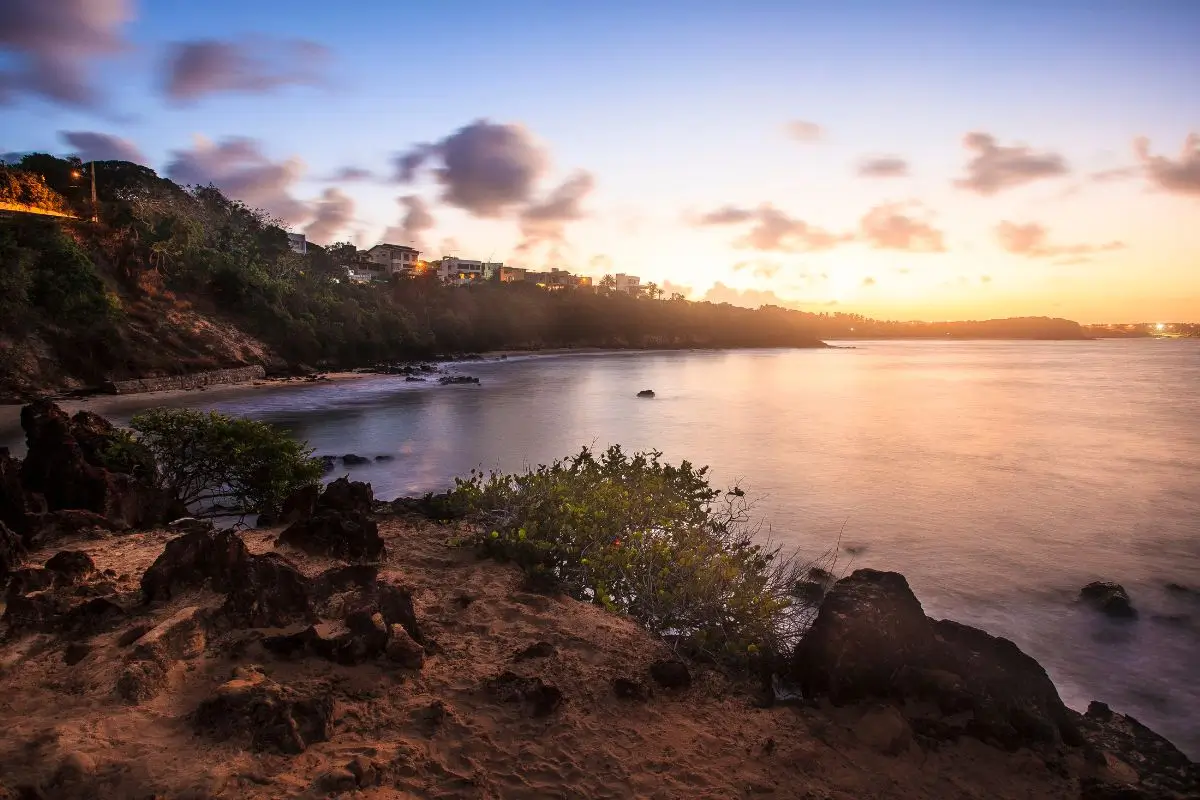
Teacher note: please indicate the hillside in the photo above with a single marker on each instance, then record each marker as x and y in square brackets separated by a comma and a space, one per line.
[173, 280]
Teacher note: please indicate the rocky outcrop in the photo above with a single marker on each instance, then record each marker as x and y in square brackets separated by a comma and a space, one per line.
[15, 503]
[12, 552]
[273, 717]
[1118, 740]
[196, 380]
[872, 640]
[64, 465]
[340, 525]
[1110, 598]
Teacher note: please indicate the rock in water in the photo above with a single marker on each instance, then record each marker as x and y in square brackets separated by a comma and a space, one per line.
[276, 718]
[646, 393]
[871, 639]
[1111, 598]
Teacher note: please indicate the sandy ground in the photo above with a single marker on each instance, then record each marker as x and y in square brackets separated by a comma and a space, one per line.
[709, 741]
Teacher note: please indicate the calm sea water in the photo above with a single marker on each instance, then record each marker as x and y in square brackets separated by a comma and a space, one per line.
[999, 477]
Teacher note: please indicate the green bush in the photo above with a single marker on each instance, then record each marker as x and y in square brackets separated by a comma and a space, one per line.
[643, 538]
[206, 459]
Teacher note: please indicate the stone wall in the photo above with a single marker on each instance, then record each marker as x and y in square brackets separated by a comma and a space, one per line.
[193, 381]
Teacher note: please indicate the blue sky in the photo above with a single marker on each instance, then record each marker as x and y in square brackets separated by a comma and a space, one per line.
[676, 109]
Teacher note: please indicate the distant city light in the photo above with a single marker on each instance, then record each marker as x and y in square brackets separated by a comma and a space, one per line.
[1160, 326]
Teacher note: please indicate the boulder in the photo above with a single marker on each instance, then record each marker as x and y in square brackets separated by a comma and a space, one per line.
[671, 674]
[872, 640]
[539, 697]
[1161, 769]
[646, 393]
[46, 528]
[630, 689]
[216, 557]
[268, 592]
[347, 495]
[275, 718]
[71, 567]
[141, 680]
[12, 552]
[353, 459]
[402, 649]
[15, 503]
[1110, 598]
[182, 635]
[300, 504]
[350, 535]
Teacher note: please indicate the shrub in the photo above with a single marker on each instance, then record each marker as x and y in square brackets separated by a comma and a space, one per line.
[643, 538]
[206, 459]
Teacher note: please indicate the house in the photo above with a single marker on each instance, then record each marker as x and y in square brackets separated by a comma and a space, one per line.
[558, 279]
[362, 274]
[461, 271]
[298, 243]
[629, 284]
[395, 259]
[511, 274]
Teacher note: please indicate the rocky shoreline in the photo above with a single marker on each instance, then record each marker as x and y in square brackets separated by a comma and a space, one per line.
[349, 645]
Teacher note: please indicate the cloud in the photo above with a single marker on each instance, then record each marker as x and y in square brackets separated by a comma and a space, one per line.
[883, 167]
[332, 213]
[1115, 174]
[773, 230]
[53, 43]
[351, 174]
[255, 65]
[484, 168]
[546, 221]
[240, 169]
[601, 264]
[803, 131]
[886, 227]
[1029, 240]
[868, 281]
[414, 221]
[760, 268]
[1179, 177]
[90, 146]
[995, 167]
[746, 298]
[985, 278]
[670, 288]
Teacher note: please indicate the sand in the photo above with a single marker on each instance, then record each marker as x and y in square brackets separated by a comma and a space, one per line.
[708, 741]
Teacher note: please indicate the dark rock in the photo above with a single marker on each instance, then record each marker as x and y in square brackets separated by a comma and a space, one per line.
[351, 459]
[141, 680]
[396, 606]
[538, 650]
[54, 612]
[64, 464]
[542, 698]
[384, 458]
[646, 393]
[301, 503]
[452, 380]
[182, 635]
[93, 616]
[630, 689]
[46, 528]
[217, 557]
[269, 592]
[1111, 598]
[12, 552]
[15, 502]
[365, 771]
[134, 633]
[347, 495]
[266, 520]
[191, 524]
[872, 640]
[29, 579]
[340, 579]
[71, 566]
[350, 535]
[277, 718]
[1179, 588]
[1162, 770]
[328, 463]
[362, 637]
[402, 649]
[76, 652]
[414, 379]
[336, 781]
[809, 592]
[671, 674]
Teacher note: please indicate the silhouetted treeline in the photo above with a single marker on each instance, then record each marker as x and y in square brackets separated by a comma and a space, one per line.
[171, 275]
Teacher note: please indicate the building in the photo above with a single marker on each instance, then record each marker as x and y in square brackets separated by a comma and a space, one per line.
[395, 259]
[629, 284]
[298, 243]
[461, 271]
[362, 274]
[558, 279]
[511, 274]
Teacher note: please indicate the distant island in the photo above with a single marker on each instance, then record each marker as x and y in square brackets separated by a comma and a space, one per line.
[153, 279]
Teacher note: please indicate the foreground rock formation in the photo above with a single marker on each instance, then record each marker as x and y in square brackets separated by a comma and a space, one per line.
[210, 664]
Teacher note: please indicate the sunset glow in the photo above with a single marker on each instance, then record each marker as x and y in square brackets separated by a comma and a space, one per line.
[913, 162]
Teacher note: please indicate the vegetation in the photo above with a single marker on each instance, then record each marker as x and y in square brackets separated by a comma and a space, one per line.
[218, 464]
[644, 538]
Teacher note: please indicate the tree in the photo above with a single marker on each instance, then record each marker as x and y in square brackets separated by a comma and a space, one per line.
[209, 459]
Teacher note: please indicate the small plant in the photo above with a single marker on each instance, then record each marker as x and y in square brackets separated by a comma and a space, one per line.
[209, 459]
[644, 538]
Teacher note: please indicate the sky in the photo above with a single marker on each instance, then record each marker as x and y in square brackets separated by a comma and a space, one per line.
[957, 159]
